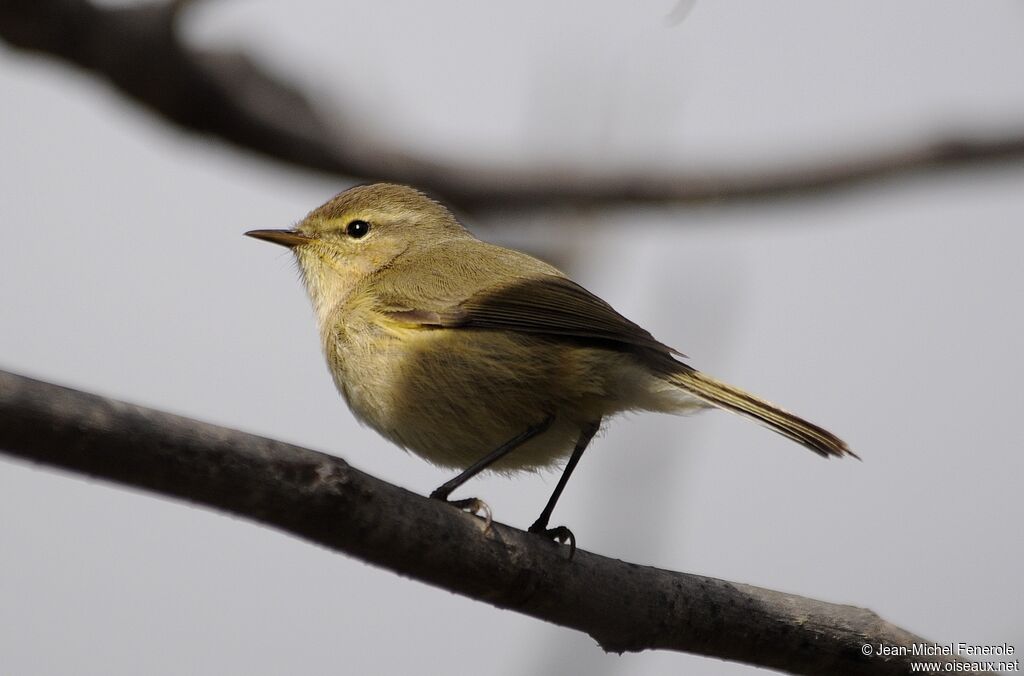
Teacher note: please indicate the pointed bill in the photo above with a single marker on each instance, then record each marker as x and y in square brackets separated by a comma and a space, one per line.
[288, 238]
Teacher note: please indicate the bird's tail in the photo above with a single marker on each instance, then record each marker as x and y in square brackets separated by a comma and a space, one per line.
[720, 394]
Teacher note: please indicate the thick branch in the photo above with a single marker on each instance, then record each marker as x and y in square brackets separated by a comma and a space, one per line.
[625, 607]
[139, 50]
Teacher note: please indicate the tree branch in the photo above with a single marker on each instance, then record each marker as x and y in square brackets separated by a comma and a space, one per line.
[625, 607]
[139, 50]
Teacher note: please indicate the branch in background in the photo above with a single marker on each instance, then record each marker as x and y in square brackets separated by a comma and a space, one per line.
[625, 607]
[139, 50]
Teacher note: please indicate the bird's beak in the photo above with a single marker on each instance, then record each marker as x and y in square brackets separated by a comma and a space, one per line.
[288, 238]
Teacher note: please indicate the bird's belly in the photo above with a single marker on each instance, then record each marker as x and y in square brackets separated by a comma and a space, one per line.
[452, 396]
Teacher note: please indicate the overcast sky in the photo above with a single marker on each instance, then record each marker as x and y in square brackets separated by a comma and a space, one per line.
[889, 314]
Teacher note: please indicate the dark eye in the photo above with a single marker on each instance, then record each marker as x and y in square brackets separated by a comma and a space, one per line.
[357, 229]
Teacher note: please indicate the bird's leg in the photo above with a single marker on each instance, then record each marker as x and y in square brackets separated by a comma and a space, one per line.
[561, 533]
[475, 505]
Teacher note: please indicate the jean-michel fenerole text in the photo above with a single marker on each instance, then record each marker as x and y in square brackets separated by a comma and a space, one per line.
[945, 649]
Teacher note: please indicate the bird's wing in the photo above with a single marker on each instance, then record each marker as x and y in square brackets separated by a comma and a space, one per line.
[544, 304]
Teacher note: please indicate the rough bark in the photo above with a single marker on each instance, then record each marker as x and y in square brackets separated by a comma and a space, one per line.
[318, 497]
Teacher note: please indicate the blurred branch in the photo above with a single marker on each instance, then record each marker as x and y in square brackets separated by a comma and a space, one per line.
[139, 50]
[625, 607]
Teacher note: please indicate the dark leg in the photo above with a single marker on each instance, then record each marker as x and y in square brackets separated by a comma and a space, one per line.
[561, 533]
[444, 490]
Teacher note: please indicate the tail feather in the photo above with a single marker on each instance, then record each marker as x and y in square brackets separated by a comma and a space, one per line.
[720, 394]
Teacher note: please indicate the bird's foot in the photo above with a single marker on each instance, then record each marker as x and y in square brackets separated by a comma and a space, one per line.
[559, 534]
[474, 506]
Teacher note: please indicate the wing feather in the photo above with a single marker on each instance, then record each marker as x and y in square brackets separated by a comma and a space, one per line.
[545, 304]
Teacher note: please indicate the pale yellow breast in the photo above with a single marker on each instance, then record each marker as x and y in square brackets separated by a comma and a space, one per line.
[453, 395]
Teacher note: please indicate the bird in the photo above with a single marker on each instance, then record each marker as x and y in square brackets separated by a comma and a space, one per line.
[480, 357]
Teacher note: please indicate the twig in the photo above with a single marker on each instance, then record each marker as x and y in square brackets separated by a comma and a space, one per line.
[138, 49]
[625, 607]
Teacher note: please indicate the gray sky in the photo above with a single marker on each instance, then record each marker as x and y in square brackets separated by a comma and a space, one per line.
[889, 314]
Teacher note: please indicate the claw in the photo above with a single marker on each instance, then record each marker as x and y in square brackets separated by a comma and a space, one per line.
[476, 507]
[559, 534]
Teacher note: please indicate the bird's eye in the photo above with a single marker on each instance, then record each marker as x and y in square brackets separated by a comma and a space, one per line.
[357, 229]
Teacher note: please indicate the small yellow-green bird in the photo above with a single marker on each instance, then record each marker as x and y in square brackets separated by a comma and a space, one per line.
[478, 357]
